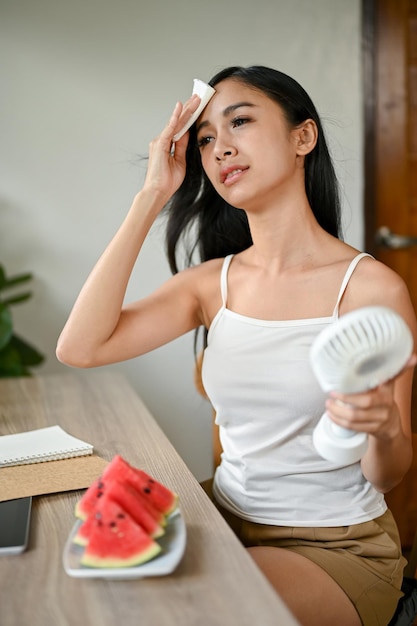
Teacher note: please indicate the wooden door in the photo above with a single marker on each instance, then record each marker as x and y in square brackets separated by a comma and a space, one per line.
[390, 88]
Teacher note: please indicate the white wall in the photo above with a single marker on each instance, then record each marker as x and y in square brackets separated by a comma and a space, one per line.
[85, 86]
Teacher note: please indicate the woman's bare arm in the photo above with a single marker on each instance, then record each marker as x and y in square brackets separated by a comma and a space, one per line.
[99, 330]
[385, 412]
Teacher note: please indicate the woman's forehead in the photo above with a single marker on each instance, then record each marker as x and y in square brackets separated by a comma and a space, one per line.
[229, 93]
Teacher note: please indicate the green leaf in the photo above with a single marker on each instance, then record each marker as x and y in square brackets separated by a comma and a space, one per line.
[3, 279]
[10, 363]
[29, 355]
[17, 299]
[6, 325]
[16, 280]
[8, 283]
[16, 354]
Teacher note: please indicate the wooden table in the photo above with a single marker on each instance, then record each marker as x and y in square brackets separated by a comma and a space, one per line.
[216, 582]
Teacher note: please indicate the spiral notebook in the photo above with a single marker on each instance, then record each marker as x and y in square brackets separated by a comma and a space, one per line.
[44, 444]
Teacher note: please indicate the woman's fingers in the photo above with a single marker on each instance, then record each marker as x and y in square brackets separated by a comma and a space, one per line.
[372, 411]
[181, 116]
[166, 167]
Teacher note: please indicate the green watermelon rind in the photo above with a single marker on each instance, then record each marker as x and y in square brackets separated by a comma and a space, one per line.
[79, 540]
[116, 540]
[172, 544]
[89, 560]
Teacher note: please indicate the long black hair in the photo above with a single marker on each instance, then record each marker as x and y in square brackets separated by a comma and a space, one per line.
[208, 225]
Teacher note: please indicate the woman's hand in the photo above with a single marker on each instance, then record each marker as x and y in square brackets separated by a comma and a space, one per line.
[166, 169]
[384, 414]
[374, 412]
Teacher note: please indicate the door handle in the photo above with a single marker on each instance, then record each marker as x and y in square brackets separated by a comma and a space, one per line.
[387, 239]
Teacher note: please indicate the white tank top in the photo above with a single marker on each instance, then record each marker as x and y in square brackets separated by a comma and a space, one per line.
[267, 402]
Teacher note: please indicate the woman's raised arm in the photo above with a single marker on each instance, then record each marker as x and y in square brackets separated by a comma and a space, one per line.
[98, 331]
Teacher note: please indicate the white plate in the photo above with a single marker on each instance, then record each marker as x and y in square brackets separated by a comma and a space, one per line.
[172, 544]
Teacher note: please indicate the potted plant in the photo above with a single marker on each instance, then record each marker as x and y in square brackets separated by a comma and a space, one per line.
[17, 356]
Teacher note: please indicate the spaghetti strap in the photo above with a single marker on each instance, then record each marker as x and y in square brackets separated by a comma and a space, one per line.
[223, 278]
[346, 279]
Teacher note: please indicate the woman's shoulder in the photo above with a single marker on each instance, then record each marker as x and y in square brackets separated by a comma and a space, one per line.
[206, 268]
[205, 283]
[374, 283]
[377, 274]
[367, 270]
[203, 277]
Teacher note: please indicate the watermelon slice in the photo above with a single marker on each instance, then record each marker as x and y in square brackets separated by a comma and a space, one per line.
[89, 500]
[115, 540]
[123, 511]
[151, 520]
[159, 496]
[84, 531]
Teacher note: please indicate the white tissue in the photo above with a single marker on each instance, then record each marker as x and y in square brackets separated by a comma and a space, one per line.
[206, 93]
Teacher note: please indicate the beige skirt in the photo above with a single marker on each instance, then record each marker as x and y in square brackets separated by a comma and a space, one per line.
[364, 559]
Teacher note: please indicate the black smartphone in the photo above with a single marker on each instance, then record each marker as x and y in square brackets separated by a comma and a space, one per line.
[14, 525]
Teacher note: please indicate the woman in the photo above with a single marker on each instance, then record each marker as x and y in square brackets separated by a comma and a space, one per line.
[255, 178]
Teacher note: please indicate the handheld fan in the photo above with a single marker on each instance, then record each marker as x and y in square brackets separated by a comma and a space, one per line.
[360, 351]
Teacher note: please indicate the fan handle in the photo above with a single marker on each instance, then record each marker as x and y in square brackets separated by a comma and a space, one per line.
[338, 444]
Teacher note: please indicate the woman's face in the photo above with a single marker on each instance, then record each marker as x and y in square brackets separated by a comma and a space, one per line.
[247, 148]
